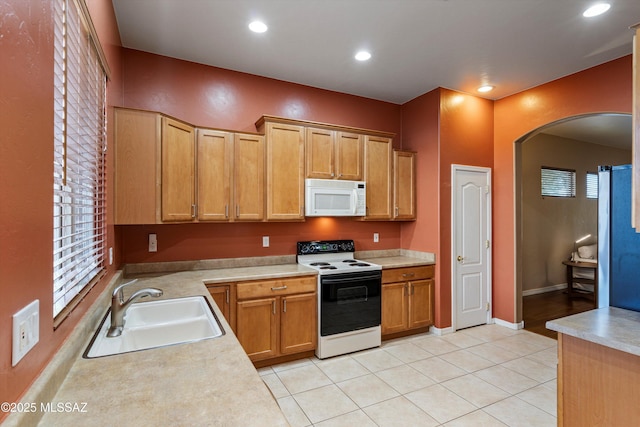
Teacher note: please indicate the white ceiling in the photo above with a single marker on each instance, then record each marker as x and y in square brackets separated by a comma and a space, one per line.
[417, 45]
[614, 130]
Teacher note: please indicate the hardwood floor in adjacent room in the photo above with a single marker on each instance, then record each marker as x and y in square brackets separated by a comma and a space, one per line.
[538, 309]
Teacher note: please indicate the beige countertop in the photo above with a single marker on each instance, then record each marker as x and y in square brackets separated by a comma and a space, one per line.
[398, 261]
[611, 327]
[211, 382]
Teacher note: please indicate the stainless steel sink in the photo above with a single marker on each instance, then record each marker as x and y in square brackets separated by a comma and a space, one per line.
[157, 324]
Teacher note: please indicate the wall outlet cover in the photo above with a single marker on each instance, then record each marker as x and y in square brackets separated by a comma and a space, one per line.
[26, 331]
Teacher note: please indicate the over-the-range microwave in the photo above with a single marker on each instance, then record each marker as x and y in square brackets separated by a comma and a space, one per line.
[334, 197]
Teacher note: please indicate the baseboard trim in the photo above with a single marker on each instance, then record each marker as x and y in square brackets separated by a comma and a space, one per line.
[514, 326]
[544, 290]
[441, 331]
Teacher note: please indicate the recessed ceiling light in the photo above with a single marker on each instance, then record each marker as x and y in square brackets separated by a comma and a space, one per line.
[258, 27]
[485, 88]
[596, 9]
[363, 55]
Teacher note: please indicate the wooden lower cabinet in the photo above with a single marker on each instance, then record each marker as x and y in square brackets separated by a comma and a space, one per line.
[257, 327]
[407, 299]
[223, 295]
[597, 385]
[277, 317]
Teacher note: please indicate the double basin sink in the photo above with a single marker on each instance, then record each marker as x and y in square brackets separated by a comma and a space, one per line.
[157, 324]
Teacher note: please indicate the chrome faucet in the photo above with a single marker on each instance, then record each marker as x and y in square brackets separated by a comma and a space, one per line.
[119, 306]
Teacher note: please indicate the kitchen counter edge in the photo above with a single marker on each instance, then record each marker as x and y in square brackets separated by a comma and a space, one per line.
[611, 327]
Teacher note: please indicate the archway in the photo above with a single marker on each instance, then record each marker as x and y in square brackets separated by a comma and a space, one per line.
[579, 143]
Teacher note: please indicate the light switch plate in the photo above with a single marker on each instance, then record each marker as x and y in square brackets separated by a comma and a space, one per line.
[265, 241]
[376, 237]
[26, 331]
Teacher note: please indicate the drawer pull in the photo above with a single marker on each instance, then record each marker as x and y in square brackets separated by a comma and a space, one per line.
[279, 288]
[408, 274]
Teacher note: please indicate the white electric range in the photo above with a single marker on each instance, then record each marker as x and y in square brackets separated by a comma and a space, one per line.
[349, 297]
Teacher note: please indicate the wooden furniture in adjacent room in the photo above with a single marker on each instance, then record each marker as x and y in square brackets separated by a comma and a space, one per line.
[572, 280]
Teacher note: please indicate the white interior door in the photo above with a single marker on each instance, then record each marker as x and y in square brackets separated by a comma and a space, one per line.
[471, 245]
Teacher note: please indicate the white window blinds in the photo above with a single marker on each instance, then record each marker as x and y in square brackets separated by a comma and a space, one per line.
[592, 185]
[558, 182]
[79, 222]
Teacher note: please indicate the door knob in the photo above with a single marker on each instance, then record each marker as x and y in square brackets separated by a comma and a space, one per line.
[460, 258]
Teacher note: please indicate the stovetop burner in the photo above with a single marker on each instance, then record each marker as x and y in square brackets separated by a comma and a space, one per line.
[332, 257]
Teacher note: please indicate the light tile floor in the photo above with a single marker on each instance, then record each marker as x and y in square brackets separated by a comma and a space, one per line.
[483, 376]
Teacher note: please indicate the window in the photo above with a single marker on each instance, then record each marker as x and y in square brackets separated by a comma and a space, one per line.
[592, 185]
[558, 182]
[79, 212]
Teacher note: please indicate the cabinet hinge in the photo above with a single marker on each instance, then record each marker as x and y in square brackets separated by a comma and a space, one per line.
[487, 189]
[488, 244]
[488, 306]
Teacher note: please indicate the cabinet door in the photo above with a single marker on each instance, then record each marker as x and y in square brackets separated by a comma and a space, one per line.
[178, 171]
[298, 327]
[137, 166]
[257, 327]
[248, 177]
[319, 153]
[404, 183]
[285, 172]
[377, 174]
[421, 303]
[215, 160]
[221, 294]
[394, 307]
[349, 156]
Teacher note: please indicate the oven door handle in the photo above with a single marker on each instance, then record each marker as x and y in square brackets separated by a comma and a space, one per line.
[359, 278]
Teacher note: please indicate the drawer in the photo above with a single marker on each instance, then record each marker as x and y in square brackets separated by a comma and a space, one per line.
[276, 287]
[406, 274]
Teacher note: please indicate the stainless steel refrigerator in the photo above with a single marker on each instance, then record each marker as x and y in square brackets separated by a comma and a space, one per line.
[618, 242]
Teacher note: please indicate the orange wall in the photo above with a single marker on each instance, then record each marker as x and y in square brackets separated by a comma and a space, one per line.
[445, 127]
[214, 97]
[605, 88]
[26, 179]
[181, 242]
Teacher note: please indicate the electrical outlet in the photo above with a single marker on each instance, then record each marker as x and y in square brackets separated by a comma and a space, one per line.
[376, 237]
[26, 331]
[265, 241]
[153, 243]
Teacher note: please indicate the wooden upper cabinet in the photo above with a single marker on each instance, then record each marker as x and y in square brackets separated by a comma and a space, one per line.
[404, 185]
[215, 161]
[285, 171]
[320, 153]
[137, 171]
[333, 154]
[348, 156]
[178, 171]
[248, 177]
[377, 174]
